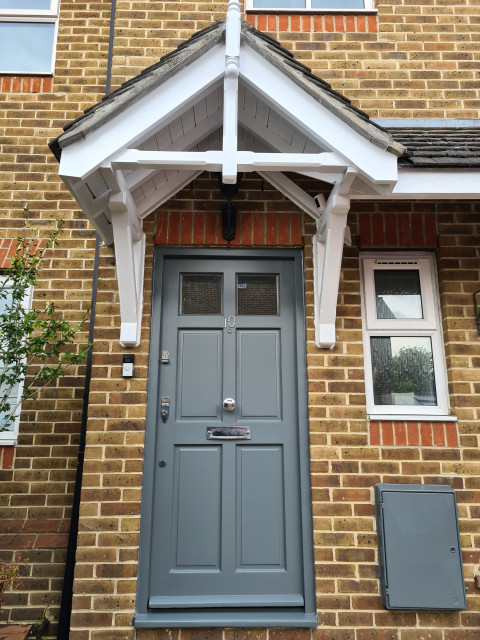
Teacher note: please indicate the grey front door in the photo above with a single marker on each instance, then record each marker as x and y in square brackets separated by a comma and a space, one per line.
[226, 522]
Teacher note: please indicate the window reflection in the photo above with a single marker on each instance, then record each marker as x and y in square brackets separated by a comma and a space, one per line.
[403, 372]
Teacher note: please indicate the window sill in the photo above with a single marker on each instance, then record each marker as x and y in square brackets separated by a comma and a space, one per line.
[9, 441]
[355, 12]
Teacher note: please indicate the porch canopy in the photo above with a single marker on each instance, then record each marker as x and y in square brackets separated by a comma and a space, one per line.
[229, 100]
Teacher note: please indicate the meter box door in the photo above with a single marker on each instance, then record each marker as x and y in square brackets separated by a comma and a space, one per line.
[419, 547]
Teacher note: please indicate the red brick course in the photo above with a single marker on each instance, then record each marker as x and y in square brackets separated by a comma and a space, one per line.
[313, 22]
[413, 433]
[398, 230]
[26, 84]
[199, 228]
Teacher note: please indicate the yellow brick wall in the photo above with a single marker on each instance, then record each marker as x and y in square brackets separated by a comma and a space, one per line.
[344, 464]
[421, 61]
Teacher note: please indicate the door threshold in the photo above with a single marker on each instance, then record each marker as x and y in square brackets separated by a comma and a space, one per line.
[174, 619]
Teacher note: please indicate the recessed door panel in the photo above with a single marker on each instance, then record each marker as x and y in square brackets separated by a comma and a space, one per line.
[199, 374]
[259, 374]
[260, 508]
[197, 508]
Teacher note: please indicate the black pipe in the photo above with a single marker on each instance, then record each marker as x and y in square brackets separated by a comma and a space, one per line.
[67, 590]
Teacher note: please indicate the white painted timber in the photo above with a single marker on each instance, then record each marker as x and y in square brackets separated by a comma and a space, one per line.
[424, 184]
[129, 241]
[213, 160]
[192, 138]
[293, 192]
[270, 134]
[145, 116]
[230, 92]
[320, 124]
[167, 190]
[327, 261]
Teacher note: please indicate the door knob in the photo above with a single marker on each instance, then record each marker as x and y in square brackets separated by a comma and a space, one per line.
[229, 404]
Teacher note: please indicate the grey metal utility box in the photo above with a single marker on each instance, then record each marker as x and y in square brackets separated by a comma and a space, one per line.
[419, 547]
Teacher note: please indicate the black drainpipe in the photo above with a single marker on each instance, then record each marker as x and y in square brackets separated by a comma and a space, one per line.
[67, 591]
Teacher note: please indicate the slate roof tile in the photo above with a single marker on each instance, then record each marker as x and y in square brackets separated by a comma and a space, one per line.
[440, 146]
[154, 75]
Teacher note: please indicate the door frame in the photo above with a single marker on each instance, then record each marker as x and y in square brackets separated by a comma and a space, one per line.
[301, 617]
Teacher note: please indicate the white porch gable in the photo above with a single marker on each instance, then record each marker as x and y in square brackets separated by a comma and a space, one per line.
[229, 100]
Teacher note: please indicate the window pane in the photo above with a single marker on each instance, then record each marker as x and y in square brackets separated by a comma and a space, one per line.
[26, 47]
[338, 4]
[12, 401]
[201, 294]
[5, 303]
[402, 369]
[279, 4]
[34, 5]
[397, 294]
[257, 295]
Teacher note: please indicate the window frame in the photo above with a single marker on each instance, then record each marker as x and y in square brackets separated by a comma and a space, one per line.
[10, 437]
[369, 6]
[34, 16]
[428, 326]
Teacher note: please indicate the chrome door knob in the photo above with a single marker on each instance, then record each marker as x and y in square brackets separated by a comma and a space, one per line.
[229, 404]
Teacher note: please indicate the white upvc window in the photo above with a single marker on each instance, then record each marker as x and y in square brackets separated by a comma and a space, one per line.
[311, 5]
[28, 36]
[9, 431]
[405, 373]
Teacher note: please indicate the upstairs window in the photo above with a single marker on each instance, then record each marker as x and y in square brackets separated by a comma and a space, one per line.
[404, 358]
[308, 5]
[28, 34]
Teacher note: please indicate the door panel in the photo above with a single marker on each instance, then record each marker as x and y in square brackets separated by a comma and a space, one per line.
[226, 529]
[259, 374]
[197, 508]
[199, 373]
[260, 508]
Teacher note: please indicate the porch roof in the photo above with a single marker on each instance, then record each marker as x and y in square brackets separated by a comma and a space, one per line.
[231, 99]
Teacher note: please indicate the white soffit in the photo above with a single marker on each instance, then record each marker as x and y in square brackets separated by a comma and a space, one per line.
[146, 116]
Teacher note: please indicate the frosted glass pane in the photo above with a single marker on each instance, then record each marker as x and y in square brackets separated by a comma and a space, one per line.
[257, 295]
[26, 47]
[402, 371]
[201, 294]
[338, 4]
[397, 294]
[34, 5]
[279, 4]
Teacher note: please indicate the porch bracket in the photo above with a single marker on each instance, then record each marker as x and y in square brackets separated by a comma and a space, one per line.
[230, 92]
[129, 243]
[332, 233]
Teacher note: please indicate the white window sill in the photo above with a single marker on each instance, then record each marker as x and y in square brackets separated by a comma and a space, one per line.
[10, 441]
[27, 74]
[403, 417]
[367, 12]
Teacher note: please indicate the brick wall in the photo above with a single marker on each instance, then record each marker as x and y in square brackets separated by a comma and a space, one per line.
[417, 59]
[37, 476]
[348, 455]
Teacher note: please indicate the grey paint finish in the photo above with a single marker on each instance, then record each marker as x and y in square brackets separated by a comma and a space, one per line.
[260, 508]
[261, 568]
[259, 374]
[196, 508]
[199, 373]
[419, 547]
